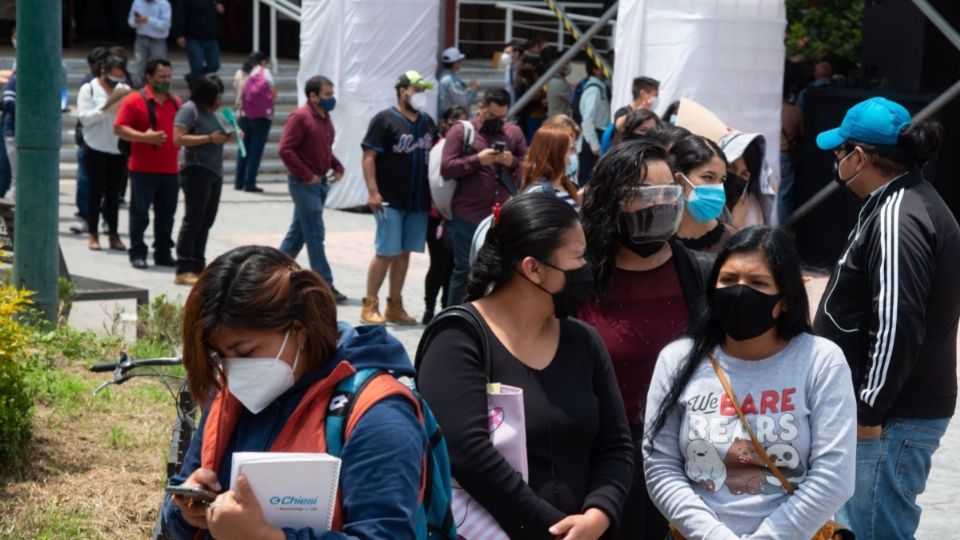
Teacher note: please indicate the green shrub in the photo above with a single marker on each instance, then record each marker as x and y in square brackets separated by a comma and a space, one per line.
[16, 405]
[159, 328]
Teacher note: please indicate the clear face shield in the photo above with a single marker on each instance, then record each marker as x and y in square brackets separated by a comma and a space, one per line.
[651, 213]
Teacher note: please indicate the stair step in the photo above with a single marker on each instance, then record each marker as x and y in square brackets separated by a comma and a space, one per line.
[68, 154]
[268, 167]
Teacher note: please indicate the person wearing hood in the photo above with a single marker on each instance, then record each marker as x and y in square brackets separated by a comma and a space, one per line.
[261, 342]
[528, 282]
[396, 158]
[646, 287]
[751, 186]
[454, 91]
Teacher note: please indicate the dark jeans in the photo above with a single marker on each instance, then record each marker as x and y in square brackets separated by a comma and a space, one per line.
[5, 175]
[203, 56]
[462, 240]
[159, 190]
[640, 517]
[83, 183]
[441, 262]
[255, 133]
[105, 174]
[201, 197]
[587, 161]
[307, 225]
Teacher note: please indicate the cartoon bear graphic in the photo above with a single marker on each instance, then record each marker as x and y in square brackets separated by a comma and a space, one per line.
[704, 465]
[787, 459]
[744, 472]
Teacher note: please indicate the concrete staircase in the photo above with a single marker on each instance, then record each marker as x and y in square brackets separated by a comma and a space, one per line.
[271, 168]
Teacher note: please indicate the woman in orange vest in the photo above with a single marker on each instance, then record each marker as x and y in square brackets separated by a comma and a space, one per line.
[260, 346]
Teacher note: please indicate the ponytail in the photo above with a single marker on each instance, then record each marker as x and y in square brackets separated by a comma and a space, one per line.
[921, 141]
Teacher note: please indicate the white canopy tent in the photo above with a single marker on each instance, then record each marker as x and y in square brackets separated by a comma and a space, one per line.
[363, 46]
[727, 55]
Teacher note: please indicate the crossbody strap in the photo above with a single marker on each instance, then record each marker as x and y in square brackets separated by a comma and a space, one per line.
[743, 419]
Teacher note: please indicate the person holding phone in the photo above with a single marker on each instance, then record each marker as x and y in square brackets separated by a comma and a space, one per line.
[151, 20]
[198, 130]
[486, 172]
[261, 341]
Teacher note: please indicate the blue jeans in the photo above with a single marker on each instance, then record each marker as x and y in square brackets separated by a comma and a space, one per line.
[462, 240]
[891, 471]
[785, 192]
[161, 191]
[307, 226]
[5, 175]
[255, 133]
[203, 56]
[83, 183]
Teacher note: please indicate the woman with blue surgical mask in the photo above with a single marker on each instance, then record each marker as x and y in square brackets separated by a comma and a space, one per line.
[265, 357]
[700, 167]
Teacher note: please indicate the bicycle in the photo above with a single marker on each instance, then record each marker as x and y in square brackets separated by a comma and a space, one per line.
[127, 368]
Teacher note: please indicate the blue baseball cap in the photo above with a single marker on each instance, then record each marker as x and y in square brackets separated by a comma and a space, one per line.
[874, 121]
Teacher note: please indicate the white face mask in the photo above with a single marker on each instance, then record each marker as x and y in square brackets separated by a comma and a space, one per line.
[505, 60]
[654, 103]
[418, 101]
[256, 382]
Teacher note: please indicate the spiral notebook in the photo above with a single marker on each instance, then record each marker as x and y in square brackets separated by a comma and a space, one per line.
[295, 490]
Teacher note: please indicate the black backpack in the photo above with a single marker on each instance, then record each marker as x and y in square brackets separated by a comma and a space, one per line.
[124, 145]
[578, 93]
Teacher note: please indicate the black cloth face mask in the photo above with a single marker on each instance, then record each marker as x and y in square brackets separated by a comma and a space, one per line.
[492, 126]
[575, 293]
[744, 312]
[645, 231]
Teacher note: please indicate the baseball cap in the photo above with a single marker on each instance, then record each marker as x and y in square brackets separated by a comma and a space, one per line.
[451, 55]
[412, 78]
[874, 121]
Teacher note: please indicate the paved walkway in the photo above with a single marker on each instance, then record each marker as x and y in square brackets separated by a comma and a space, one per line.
[246, 218]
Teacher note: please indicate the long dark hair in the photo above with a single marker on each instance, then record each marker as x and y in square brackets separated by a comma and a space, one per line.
[634, 120]
[254, 288]
[622, 168]
[705, 330]
[530, 225]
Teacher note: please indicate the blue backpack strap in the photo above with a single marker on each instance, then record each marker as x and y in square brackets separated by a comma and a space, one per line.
[341, 405]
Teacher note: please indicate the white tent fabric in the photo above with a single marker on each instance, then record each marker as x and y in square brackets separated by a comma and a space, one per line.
[728, 55]
[363, 46]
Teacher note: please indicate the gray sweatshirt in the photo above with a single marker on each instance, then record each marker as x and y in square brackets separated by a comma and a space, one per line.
[701, 469]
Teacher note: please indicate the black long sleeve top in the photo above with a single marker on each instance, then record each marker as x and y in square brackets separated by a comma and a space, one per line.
[579, 448]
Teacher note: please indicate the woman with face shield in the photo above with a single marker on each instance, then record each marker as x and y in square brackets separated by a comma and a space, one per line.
[751, 420]
[646, 285]
[701, 169]
[529, 279]
[264, 357]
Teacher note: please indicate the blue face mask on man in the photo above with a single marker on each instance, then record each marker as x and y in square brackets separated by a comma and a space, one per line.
[327, 104]
[705, 202]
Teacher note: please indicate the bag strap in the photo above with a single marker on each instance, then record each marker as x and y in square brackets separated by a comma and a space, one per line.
[787, 485]
[467, 317]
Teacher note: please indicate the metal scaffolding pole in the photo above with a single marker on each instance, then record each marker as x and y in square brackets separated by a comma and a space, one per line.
[38, 124]
[523, 100]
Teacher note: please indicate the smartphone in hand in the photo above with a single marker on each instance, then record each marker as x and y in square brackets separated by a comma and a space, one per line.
[499, 147]
[200, 495]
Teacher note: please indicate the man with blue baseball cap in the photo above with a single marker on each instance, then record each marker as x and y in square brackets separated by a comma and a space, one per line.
[892, 305]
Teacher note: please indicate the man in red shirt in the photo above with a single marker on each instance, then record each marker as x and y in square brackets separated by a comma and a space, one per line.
[306, 148]
[146, 121]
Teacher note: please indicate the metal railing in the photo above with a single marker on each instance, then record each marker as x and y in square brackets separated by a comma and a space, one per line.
[509, 22]
[282, 7]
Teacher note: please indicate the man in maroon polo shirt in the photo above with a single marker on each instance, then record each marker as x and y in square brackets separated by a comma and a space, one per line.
[306, 148]
[145, 120]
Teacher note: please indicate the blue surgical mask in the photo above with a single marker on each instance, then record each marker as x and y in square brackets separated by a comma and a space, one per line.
[573, 166]
[705, 202]
[328, 104]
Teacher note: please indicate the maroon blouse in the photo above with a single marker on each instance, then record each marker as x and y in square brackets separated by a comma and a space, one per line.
[644, 311]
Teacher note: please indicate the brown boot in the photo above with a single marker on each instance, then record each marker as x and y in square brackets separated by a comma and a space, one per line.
[116, 243]
[396, 314]
[370, 314]
[94, 242]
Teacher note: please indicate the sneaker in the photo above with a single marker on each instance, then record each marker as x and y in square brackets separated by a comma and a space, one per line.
[140, 264]
[396, 314]
[164, 261]
[370, 312]
[339, 296]
[186, 278]
[253, 190]
[79, 228]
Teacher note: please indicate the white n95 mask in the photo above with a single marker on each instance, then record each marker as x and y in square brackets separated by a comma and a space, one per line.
[256, 382]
